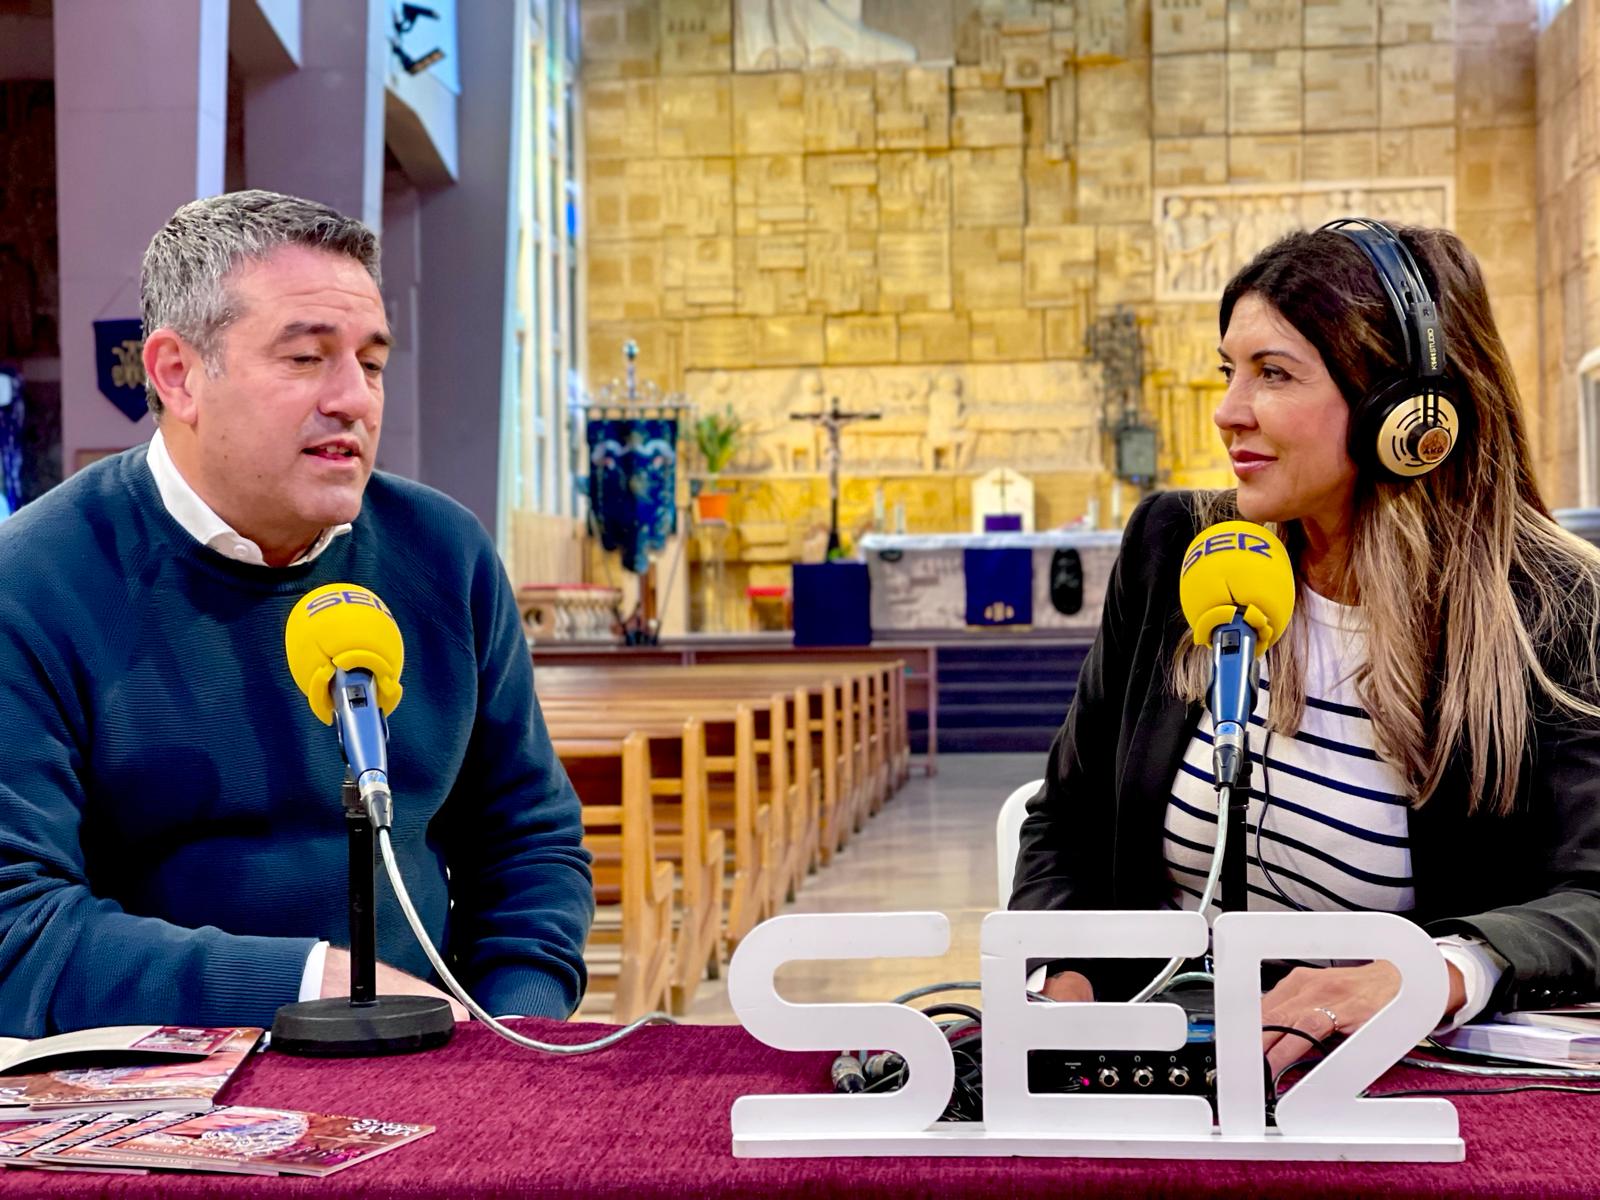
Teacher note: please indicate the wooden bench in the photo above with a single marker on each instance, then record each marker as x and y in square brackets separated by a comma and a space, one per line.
[885, 698]
[683, 835]
[914, 690]
[868, 759]
[734, 805]
[786, 783]
[631, 943]
[873, 735]
[782, 762]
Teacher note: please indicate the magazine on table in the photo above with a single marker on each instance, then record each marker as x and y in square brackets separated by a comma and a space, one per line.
[249, 1141]
[1575, 1018]
[1526, 1042]
[127, 1068]
[34, 1144]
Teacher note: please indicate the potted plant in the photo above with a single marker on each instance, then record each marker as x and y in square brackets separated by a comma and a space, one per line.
[717, 436]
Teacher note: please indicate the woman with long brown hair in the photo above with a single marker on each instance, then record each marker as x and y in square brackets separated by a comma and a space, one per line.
[1427, 732]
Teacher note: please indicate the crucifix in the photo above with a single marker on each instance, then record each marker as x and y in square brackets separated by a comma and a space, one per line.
[1003, 481]
[1002, 499]
[833, 420]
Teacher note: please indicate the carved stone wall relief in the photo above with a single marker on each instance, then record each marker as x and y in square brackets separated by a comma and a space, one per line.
[1204, 235]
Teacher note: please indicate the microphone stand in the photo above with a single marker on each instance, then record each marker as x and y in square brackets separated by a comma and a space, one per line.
[1233, 895]
[1233, 693]
[364, 1023]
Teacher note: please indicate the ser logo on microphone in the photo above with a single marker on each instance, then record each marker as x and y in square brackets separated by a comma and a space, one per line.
[1252, 543]
[362, 598]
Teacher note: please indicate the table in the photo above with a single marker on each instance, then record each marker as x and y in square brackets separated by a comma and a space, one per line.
[919, 581]
[650, 1118]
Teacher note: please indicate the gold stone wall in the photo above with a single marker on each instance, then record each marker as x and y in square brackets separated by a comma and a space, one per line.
[1568, 259]
[934, 239]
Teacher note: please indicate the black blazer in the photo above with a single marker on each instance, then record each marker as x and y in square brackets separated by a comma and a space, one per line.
[1528, 883]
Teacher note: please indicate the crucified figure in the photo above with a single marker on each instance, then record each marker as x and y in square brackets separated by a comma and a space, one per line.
[833, 420]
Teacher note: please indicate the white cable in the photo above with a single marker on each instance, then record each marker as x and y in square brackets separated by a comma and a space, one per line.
[472, 1006]
[1224, 797]
[1165, 977]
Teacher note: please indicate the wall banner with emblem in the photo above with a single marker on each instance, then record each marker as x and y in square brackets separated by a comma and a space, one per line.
[633, 465]
[999, 586]
[118, 365]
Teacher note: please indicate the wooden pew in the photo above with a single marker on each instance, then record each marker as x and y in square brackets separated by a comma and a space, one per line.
[868, 723]
[913, 687]
[734, 804]
[806, 767]
[872, 732]
[683, 834]
[785, 780]
[878, 706]
[823, 756]
[890, 722]
[630, 944]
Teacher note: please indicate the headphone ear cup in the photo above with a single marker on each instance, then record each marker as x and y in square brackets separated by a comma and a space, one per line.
[1393, 437]
[1366, 419]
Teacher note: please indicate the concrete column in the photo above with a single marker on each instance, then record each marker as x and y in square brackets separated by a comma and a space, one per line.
[467, 234]
[317, 132]
[141, 100]
[399, 451]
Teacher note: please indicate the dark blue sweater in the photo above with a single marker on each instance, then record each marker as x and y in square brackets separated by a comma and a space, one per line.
[171, 839]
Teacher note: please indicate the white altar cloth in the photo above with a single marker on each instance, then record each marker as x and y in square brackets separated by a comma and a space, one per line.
[919, 580]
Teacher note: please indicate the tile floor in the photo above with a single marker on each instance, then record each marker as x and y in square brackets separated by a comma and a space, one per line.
[930, 848]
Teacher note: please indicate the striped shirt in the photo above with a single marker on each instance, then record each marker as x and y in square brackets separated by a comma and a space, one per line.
[1336, 834]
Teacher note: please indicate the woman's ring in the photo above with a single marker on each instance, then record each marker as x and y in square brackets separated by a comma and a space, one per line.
[1332, 1020]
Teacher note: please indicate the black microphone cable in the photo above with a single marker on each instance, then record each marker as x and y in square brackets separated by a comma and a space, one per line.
[857, 1072]
[1261, 822]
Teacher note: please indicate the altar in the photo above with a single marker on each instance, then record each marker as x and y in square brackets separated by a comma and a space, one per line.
[920, 581]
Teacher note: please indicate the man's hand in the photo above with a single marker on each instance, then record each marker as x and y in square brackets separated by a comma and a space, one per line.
[391, 982]
[1068, 985]
[1306, 996]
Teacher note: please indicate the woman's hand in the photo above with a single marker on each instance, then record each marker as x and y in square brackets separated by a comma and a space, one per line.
[1324, 1001]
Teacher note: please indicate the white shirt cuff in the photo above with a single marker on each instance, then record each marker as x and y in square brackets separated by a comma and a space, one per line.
[1036, 980]
[1480, 969]
[311, 980]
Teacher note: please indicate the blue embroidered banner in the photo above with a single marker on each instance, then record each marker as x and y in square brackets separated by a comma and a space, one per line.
[118, 346]
[999, 586]
[633, 485]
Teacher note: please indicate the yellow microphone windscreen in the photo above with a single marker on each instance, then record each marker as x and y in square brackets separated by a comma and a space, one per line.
[1237, 564]
[346, 626]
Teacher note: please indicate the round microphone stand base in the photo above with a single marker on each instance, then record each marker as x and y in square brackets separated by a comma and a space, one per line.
[338, 1028]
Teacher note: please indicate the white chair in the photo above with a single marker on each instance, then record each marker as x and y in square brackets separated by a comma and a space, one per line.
[1008, 835]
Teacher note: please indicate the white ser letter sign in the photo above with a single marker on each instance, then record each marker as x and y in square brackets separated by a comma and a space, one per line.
[1323, 1118]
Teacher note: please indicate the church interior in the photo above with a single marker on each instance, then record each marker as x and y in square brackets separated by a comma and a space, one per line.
[938, 283]
[1002, 228]
[806, 357]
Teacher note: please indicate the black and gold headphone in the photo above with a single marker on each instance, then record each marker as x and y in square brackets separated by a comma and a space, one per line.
[1407, 426]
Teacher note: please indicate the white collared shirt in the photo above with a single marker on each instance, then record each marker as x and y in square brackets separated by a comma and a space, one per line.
[211, 531]
[202, 524]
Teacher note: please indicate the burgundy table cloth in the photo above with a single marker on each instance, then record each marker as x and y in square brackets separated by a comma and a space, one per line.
[650, 1118]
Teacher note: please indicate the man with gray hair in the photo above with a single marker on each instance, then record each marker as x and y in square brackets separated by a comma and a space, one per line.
[172, 849]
